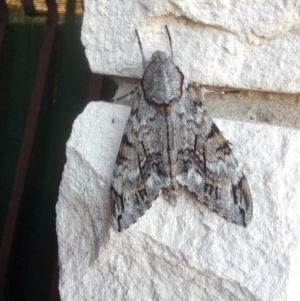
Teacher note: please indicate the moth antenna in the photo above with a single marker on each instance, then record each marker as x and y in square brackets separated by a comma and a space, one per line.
[141, 50]
[170, 41]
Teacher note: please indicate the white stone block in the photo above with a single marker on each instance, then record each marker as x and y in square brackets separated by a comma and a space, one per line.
[240, 44]
[186, 252]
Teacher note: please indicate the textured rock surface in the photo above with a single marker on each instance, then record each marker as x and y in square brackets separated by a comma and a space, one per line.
[249, 106]
[184, 252]
[231, 43]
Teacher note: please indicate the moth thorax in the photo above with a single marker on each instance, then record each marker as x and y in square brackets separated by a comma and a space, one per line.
[162, 81]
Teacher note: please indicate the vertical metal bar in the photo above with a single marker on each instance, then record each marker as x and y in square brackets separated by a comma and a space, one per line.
[29, 8]
[27, 143]
[3, 21]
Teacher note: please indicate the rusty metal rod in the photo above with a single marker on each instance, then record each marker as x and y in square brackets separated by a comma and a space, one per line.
[3, 22]
[27, 143]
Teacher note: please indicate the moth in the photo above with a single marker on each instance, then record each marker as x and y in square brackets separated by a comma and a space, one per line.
[171, 142]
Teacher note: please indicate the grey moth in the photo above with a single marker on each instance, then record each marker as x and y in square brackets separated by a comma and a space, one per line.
[171, 142]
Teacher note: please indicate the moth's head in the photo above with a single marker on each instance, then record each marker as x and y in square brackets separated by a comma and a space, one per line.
[162, 81]
[159, 56]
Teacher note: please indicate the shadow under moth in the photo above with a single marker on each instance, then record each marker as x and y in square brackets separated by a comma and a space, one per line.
[170, 141]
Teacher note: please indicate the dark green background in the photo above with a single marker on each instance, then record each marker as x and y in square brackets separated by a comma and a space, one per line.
[34, 252]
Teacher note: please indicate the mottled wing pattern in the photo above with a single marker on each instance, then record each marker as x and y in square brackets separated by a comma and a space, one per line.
[206, 164]
[139, 173]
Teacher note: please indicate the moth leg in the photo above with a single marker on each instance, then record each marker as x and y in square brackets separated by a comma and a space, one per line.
[126, 100]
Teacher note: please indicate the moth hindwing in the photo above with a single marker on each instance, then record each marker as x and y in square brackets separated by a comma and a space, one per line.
[170, 141]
